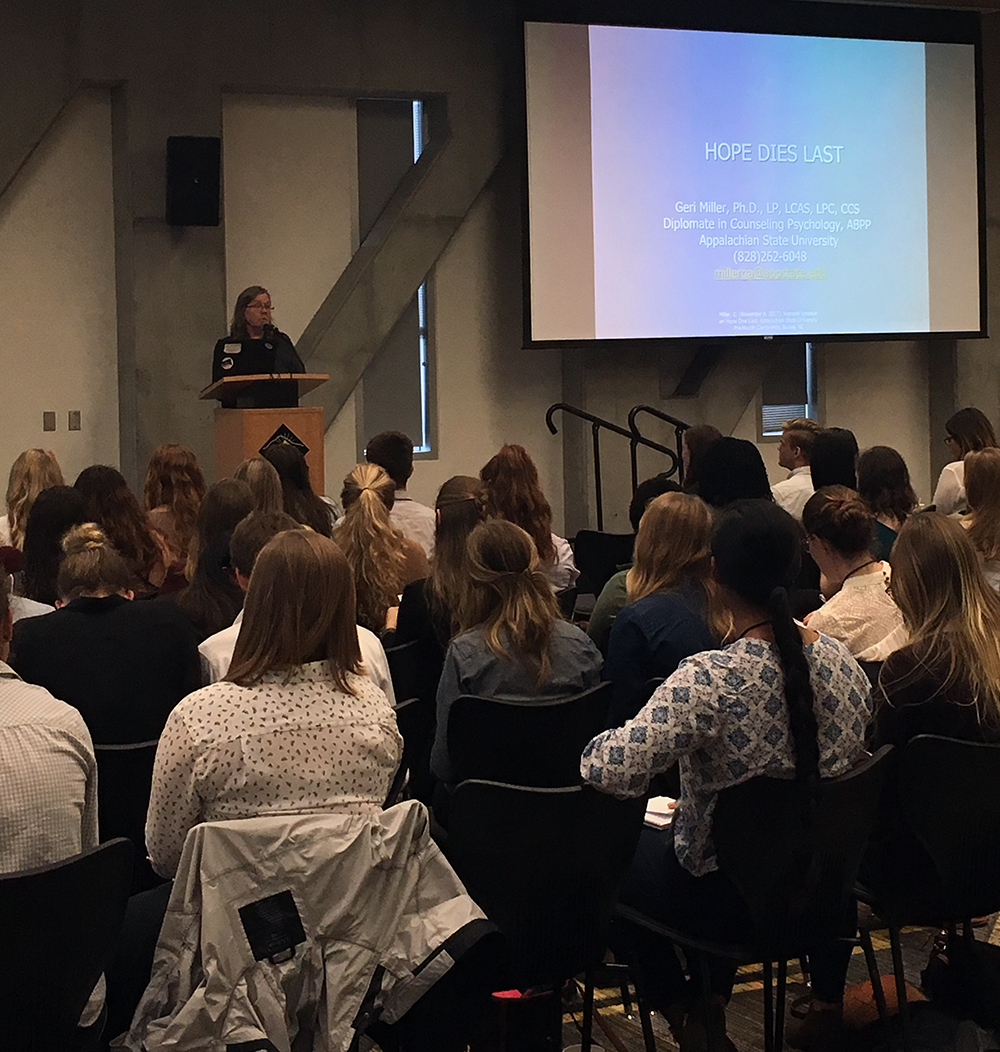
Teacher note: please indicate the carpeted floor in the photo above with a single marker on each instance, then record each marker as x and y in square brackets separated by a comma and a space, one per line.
[933, 1030]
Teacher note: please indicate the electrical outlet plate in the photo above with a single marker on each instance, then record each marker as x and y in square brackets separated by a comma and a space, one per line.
[48, 421]
[74, 420]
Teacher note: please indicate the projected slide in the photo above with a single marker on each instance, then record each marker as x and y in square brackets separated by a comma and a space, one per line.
[740, 184]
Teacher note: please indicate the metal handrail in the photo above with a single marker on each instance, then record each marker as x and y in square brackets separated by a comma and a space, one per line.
[634, 438]
[679, 428]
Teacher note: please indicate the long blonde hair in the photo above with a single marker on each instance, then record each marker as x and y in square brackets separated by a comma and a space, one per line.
[33, 471]
[982, 490]
[508, 596]
[952, 614]
[299, 608]
[374, 548]
[671, 548]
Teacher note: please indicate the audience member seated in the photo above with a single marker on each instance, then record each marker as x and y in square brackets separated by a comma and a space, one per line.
[33, 471]
[428, 611]
[264, 482]
[946, 679]
[512, 643]
[124, 665]
[172, 494]
[296, 726]
[834, 459]
[613, 595]
[48, 779]
[982, 485]
[968, 430]
[513, 493]
[54, 511]
[778, 698]
[296, 490]
[212, 599]
[112, 505]
[694, 442]
[393, 452]
[245, 545]
[733, 469]
[794, 453]
[666, 618]
[858, 611]
[382, 560]
[884, 485]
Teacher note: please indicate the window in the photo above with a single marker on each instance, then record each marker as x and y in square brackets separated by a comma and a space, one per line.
[789, 389]
[396, 390]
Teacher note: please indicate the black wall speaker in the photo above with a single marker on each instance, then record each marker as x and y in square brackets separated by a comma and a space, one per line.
[193, 183]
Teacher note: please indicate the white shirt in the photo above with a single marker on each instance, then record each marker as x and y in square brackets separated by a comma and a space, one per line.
[279, 747]
[5, 539]
[217, 655]
[48, 786]
[562, 571]
[22, 607]
[949, 494]
[794, 491]
[861, 614]
[414, 520]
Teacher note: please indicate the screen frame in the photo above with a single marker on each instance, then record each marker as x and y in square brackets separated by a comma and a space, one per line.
[779, 17]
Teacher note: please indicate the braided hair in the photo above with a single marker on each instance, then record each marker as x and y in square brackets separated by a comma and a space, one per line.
[757, 550]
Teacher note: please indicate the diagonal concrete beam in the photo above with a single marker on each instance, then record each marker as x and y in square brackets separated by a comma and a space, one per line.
[384, 274]
[39, 74]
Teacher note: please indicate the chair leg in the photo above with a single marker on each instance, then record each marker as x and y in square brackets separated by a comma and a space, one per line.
[901, 1002]
[588, 1012]
[779, 1011]
[768, 1009]
[715, 1039]
[873, 974]
[648, 1040]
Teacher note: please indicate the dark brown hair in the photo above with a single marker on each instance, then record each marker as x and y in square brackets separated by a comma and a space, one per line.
[971, 429]
[53, 512]
[461, 506]
[296, 490]
[252, 533]
[299, 608]
[513, 493]
[840, 517]
[113, 506]
[884, 483]
[238, 328]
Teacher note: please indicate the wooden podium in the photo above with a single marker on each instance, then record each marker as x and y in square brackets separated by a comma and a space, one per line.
[241, 433]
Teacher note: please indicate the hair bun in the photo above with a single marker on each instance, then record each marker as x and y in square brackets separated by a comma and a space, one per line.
[84, 538]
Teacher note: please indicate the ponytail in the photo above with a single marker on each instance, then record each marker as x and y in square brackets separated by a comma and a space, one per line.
[798, 688]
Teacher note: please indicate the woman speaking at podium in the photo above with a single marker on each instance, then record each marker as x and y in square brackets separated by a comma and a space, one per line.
[254, 346]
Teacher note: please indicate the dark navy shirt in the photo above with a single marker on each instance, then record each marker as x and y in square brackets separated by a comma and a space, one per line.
[650, 638]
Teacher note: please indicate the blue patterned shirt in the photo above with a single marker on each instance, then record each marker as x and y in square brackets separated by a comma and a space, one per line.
[723, 715]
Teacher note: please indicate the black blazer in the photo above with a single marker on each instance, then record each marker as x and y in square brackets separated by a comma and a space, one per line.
[124, 664]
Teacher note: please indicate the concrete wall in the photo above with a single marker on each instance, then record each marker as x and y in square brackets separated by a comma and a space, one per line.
[57, 276]
[206, 67]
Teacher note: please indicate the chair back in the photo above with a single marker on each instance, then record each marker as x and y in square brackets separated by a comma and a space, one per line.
[536, 743]
[415, 672]
[949, 791]
[124, 781]
[58, 928]
[409, 668]
[793, 851]
[545, 866]
[599, 556]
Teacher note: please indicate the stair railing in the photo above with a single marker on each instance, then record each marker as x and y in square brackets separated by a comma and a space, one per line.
[635, 440]
[679, 428]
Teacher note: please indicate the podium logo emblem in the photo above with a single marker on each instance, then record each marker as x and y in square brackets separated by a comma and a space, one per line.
[284, 436]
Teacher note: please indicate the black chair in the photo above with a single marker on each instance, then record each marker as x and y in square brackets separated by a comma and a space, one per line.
[415, 673]
[533, 743]
[948, 794]
[58, 928]
[792, 852]
[124, 781]
[599, 556]
[545, 866]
